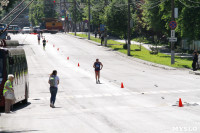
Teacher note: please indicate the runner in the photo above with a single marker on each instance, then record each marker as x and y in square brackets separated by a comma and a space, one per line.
[98, 66]
[38, 36]
[44, 43]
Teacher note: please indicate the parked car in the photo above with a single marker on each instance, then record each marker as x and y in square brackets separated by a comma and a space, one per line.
[26, 30]
[36, 29]
[13, 29]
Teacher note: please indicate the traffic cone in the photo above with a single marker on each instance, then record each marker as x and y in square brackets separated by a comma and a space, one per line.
[58, 49]
[47, 40]
[78, 65]
[53, 45]
[67, 58]
[180, 103]
[122, 85]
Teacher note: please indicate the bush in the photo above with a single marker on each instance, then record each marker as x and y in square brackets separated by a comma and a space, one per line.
[154, 50]
[125, 46]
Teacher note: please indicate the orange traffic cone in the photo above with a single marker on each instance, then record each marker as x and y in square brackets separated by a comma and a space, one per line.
[122, 85]
[53, 45]
[58, 49]
[78, 65]
[47, 40]
[67, 58]
[180, 103]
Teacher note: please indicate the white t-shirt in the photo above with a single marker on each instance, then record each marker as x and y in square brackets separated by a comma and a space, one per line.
[56, 80]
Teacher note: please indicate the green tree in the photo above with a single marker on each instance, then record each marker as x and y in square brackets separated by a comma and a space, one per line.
[42, 9]
[116, 18]
[155, 17]
[189, 20]
[36, 12]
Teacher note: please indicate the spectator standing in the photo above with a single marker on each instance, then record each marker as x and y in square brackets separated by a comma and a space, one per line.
[8, 88]
[53, 81]
[195, 60]
[95, 33]
[102, 38]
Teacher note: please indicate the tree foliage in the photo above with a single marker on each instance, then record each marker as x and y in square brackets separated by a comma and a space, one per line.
[116, 17]
[41, 9]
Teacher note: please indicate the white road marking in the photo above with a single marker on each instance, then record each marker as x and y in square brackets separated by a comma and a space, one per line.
[111, 94]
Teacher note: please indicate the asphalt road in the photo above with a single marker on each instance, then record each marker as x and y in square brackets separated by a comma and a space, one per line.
[147, 104]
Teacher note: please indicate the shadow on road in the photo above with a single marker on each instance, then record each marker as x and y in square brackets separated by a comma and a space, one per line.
[17, 106]
[58, 107]
[21, 131]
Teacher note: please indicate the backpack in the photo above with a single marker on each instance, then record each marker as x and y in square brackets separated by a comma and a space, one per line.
[52, 81]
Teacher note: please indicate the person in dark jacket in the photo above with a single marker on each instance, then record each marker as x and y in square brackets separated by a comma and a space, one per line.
[195, 60]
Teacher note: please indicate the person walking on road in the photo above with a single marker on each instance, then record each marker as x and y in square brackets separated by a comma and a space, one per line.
[44, 43]
[8, 88]
[195, 60]
[54, 82]
[38, 36]
[98, 66]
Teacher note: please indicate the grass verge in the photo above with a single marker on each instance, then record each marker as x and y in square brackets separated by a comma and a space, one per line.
[159, 58]
[109, 42]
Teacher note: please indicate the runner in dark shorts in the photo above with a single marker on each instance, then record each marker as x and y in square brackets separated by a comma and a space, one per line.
[98, 66]
[38, 36]
[44, 43]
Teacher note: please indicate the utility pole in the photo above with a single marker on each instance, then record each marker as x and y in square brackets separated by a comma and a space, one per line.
[65, 16]
[172, 43]
[75, 17]
[89, 20]
[60, 8]
[129, 29]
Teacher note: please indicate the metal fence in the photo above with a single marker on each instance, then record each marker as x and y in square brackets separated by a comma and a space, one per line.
[193, 45]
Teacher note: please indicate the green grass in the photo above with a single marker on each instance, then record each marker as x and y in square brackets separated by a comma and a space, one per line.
[159, 58]
[144, 54]
[109, 42]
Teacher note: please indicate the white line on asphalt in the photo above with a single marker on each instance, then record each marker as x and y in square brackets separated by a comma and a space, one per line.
[113, 94]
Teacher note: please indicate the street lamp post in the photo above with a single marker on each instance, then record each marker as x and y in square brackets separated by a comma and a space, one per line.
[129, 29]
[89, 20]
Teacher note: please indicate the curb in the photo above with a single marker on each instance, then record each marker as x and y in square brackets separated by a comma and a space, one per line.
[129, 57]
[194, 72]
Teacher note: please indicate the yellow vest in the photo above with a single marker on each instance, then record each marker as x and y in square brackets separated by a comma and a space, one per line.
[8, 82]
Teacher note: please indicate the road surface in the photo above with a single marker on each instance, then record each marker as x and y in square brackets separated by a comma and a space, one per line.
[147, 104]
